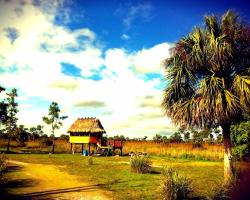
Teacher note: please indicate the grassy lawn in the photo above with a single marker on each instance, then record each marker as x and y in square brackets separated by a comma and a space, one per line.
[113, 173]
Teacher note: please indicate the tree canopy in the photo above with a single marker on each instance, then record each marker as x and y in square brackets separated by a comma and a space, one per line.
[208, 78]
[208, 74]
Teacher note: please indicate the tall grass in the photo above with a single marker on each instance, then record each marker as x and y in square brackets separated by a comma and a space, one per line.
[175, 186]
[140, 164]
[213, 152]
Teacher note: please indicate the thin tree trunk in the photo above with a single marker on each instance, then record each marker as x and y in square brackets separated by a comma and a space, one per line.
[228, 161]
[53, 140]
[53, 145]
[8, 146]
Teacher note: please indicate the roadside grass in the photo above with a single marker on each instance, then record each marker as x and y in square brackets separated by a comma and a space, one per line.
[114, 174]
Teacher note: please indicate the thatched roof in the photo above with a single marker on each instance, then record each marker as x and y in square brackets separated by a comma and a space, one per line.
[87, 125]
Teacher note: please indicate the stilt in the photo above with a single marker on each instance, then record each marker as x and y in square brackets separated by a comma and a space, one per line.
[82, 148]
[71, 148]
[89, 149]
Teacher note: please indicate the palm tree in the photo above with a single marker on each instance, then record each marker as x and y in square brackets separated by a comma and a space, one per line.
[208, 78]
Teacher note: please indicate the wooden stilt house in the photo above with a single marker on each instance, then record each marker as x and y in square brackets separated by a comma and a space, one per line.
[86, 131]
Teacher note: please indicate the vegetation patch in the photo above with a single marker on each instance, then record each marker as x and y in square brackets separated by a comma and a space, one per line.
[140, 164]
[174, 185]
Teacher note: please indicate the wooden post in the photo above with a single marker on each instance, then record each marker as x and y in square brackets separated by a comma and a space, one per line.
[89, 148]
[71, 147]
[82, 148]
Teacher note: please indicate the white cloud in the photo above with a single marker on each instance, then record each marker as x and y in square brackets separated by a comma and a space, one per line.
[125, 37]
[33, 64]
[140, 11]
[150, 60]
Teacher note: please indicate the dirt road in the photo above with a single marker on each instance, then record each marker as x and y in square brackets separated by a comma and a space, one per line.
[40, 181]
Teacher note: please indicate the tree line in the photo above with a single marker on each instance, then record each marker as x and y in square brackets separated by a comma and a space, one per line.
[9, 129]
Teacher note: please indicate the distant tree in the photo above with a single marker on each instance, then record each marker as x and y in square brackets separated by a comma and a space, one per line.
[144, 138]
[22, 134]
[36, 132]
[199, 136]
[55, 120]
[11, 121]
[157, 138]
[209, 78]
[165, 139]
[64, 137]
[176, 137]
[187, 136]
[120, 137]
[205, 132]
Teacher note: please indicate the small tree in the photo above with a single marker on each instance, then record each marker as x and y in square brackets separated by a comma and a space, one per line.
[54, 119]
[11, 120]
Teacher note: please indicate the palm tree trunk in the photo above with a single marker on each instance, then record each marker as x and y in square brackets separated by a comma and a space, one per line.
[228, 161]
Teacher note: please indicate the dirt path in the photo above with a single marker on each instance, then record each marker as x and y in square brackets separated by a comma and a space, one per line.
[42, 181]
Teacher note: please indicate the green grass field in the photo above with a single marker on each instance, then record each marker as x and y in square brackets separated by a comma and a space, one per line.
[114, 174]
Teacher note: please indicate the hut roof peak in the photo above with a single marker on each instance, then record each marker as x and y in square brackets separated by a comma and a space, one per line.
[87, 125]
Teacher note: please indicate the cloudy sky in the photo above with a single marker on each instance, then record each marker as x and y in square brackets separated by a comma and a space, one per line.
[96, 58]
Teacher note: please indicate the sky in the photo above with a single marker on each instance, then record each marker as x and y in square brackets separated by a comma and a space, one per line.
[98, 59]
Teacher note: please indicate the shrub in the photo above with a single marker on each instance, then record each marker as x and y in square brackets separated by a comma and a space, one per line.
[174, 186]
[140, 164]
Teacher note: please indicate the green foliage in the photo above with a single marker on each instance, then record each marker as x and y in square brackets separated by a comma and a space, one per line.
[157, 138]
[36, 132]
[54, 119]
[11, 120]
[176, 137]
[208, 74]
[174, 186]
[3, 109]
[140, 164]
[240, 134]
[64, 137]
[187, 136]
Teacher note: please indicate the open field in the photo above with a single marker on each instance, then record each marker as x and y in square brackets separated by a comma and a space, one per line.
[113, 174]
[212, 152]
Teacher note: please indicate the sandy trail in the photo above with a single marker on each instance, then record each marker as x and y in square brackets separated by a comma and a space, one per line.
[49, 182]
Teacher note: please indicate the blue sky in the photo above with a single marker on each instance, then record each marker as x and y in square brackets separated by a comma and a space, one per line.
[97, 58]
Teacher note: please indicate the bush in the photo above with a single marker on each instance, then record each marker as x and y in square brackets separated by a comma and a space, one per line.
[174, 186]
[140, 164]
